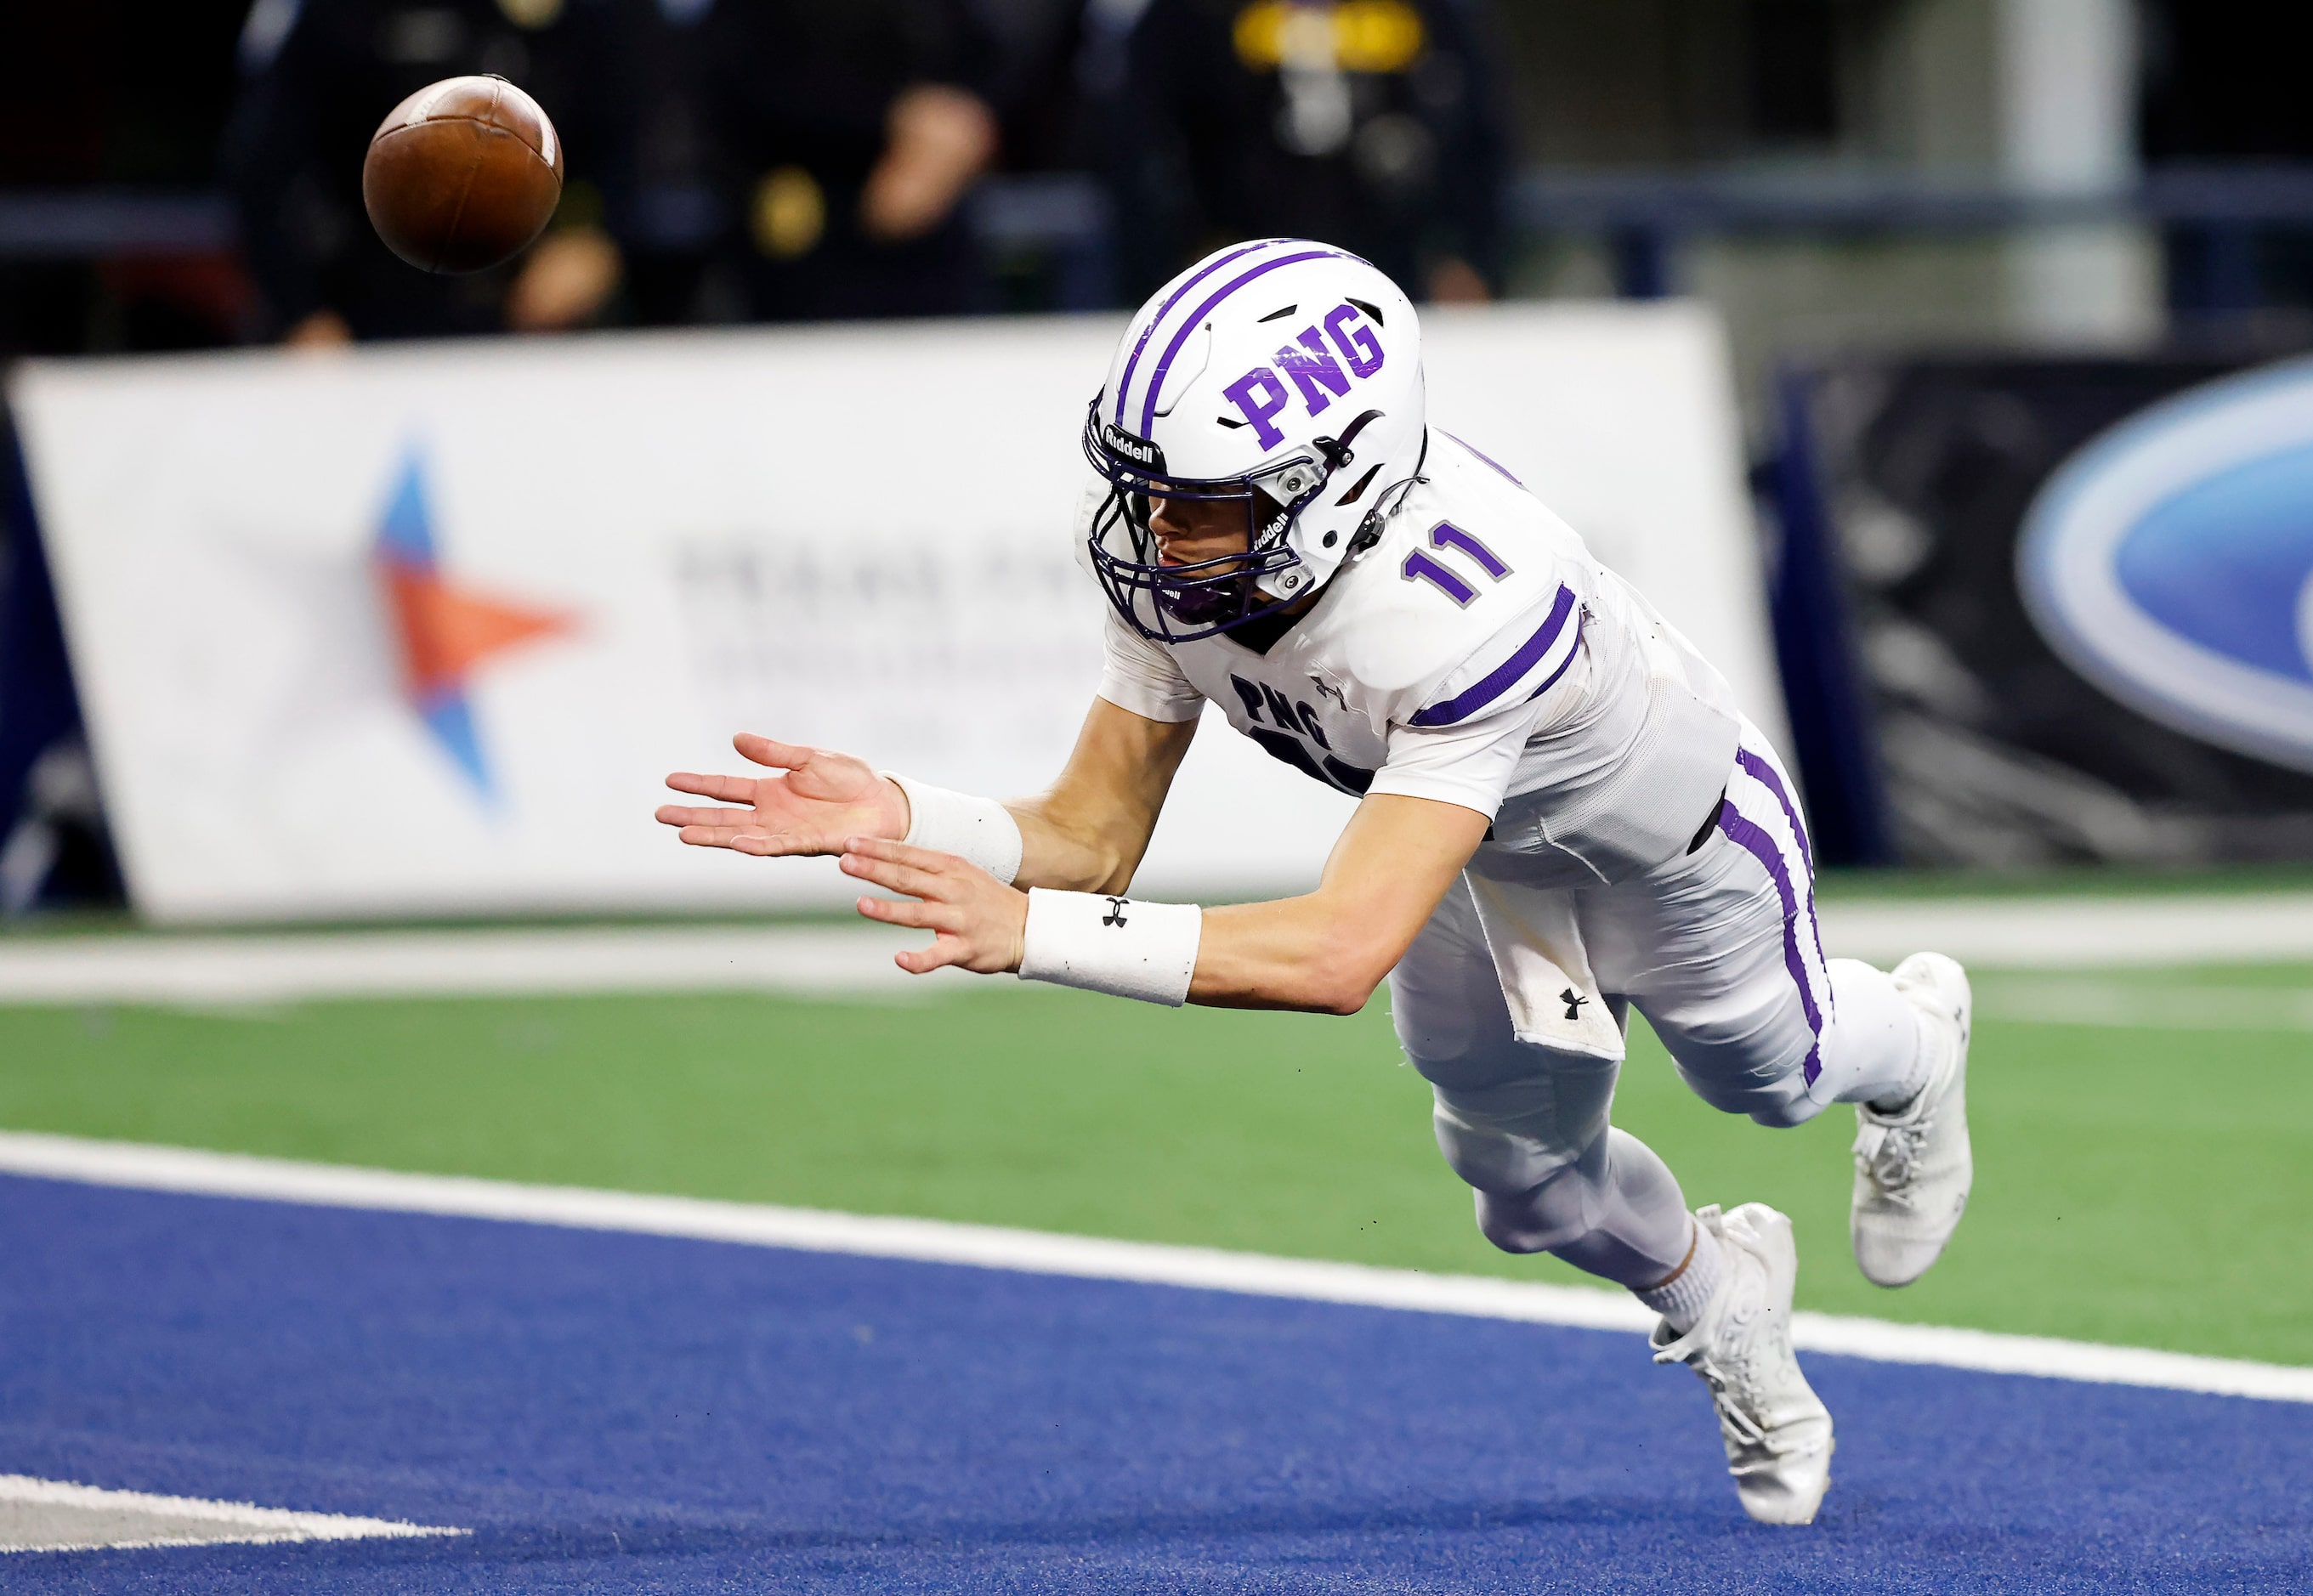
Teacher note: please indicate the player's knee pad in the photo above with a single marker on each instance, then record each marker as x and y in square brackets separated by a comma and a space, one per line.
[1558, 1213]
[1507, 1130]
[1776, 1097]
[1788, 1113]
[1743, 1054]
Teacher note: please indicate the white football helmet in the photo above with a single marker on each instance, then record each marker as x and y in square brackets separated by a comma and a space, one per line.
[1283, 374]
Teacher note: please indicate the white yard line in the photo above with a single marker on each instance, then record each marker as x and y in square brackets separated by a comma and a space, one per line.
[50, 1515]
[930, 1240]
[2077, 932]
[856, 960]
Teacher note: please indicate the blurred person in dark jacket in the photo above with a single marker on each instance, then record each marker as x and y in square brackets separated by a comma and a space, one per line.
[853, 128]
[319, 77]
[662, 173]
[1370, 124]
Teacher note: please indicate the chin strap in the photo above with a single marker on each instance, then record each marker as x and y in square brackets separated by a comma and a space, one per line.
[1337, 450]
[1385, 503]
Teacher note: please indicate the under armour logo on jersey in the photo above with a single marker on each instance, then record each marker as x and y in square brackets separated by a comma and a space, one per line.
[1326, 689]
[1573, 1001]
[1115, 916]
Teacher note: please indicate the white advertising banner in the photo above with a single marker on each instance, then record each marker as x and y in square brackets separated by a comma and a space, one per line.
[420, 630]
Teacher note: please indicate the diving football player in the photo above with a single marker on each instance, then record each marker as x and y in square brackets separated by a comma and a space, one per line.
[1563, 816]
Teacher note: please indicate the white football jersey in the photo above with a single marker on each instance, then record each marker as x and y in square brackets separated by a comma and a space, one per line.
[1477, 654]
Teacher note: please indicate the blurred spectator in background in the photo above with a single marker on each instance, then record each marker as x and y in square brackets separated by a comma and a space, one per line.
[320, 76]
[853, 130]
[112, 93]
[1370, 124]
[662, 174]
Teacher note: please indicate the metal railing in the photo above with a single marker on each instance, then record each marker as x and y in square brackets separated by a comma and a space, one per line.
[1644, 216]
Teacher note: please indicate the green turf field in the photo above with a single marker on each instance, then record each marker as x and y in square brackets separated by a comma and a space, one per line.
[2134, 1184]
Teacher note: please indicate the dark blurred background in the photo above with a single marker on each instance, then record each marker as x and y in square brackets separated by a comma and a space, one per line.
[1949, 241]
[187, 175]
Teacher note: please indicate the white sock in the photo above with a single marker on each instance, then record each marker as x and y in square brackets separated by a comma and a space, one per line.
[1681, 1299]
[1874, 1049]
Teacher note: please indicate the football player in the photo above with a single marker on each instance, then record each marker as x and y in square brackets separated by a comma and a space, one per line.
[1563, 816]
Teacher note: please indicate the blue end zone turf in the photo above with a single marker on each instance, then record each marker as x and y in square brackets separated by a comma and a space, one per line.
[622, 1413]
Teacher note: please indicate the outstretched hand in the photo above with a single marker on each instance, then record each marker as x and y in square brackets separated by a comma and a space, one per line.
[819, 802]
[978, 923]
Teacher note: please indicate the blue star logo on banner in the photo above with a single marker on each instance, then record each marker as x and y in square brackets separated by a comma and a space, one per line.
[445, 632]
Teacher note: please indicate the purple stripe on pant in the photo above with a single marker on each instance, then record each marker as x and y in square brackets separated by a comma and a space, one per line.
[1761, 847]
[1764, 773]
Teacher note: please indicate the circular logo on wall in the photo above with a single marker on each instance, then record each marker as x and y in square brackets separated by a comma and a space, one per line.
[2170, 562]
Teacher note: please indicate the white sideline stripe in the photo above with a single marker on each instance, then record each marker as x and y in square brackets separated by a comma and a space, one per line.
[2172, 1005]
[2113, 932]
[2050, 933]
[243, 1522]
[1037, 1252]
[266, 970]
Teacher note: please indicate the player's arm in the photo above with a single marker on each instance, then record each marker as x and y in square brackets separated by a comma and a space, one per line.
[1327, 950]
[1086, 833]
[1323, 952]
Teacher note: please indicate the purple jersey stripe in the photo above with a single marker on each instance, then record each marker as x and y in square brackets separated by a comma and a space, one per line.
[1173, 349]
[1505, 675]
[1564, 665]
[1764, 773]
[1125, 382]
[1487, 459]
[1756, 842]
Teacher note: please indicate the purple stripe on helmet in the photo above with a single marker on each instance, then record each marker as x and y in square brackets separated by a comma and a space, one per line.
[1763, 772]
[1484, 456]
[1165, 366]
[1125, 382]
[1756, 842]
[1505, 675]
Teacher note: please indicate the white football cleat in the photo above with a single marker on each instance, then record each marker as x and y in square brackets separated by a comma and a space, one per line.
[1776, 1429]
[1913, 1168]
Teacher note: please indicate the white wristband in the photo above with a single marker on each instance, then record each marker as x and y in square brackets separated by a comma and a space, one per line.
[979, 829]
[1118, 945]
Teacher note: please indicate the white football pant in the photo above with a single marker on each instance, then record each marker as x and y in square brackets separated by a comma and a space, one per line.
[1720, 950]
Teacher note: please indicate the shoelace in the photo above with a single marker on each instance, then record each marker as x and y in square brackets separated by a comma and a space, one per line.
[1891, 1153]
[1732, 1393]
[1733, 1412]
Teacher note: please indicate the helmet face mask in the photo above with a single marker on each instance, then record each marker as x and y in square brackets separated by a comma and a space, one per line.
[1177, 423]
[1181, 603]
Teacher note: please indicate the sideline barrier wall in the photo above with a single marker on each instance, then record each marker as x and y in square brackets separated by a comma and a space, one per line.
[419, 631]
[2080, 595]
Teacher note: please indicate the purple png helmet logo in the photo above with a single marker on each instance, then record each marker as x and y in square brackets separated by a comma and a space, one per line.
[2170, 562]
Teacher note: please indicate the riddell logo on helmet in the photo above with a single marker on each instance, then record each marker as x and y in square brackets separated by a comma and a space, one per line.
[1309, 362]
[1140, 451]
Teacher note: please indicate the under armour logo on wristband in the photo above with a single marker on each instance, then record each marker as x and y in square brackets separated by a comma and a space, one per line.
[1115, 916]
[1573, 1001]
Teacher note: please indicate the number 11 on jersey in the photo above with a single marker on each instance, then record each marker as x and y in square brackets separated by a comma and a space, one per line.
[1420, 566]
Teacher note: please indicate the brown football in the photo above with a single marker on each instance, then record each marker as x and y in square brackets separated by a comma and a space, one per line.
[463, 174]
